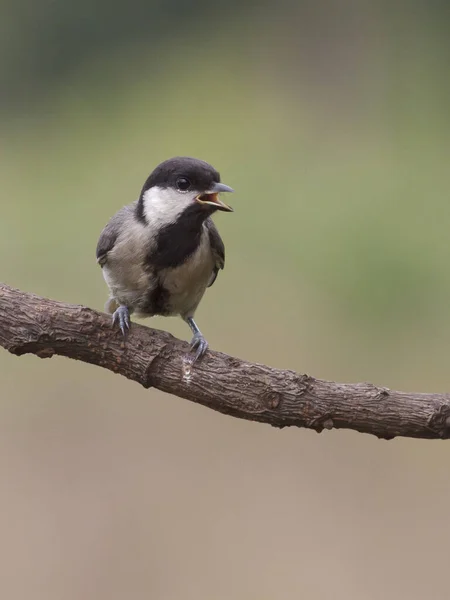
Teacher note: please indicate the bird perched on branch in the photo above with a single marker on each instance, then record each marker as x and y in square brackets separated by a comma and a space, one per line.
[160, 253]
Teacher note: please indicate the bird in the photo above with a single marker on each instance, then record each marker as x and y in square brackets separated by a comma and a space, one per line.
[160, 253]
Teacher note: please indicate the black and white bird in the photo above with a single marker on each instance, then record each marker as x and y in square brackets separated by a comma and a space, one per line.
[160, 253]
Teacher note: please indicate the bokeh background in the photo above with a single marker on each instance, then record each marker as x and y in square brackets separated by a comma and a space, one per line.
[331, 121]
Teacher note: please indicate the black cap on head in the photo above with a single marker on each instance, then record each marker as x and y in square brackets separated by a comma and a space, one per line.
[183, 173]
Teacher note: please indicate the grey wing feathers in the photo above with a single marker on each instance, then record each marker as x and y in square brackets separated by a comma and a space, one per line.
[217, 249]
[106, 243]
[110, 233]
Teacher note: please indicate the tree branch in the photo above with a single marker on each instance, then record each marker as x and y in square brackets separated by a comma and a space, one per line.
[31, 324]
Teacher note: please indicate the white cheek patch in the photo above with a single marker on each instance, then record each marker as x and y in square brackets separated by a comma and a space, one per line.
[165, 205]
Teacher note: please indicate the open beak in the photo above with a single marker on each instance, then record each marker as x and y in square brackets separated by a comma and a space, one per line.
[211, 197]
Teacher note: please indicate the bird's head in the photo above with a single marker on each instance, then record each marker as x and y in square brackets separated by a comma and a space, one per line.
[180, 184]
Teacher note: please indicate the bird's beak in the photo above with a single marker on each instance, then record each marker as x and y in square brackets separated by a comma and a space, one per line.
[211, 197]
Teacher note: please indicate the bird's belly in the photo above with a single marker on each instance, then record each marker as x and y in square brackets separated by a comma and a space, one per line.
[186, 284]
[129, 284]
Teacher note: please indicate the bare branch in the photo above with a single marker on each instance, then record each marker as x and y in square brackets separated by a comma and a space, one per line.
[31, 324]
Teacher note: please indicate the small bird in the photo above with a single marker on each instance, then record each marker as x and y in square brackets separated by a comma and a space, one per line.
[160, 253]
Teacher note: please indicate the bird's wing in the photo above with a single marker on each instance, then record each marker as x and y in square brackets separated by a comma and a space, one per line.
[106, 243]
[110, 233]
[217, 249]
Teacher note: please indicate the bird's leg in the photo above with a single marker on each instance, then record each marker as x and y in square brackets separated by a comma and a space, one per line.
[198, 342]
[122, 315]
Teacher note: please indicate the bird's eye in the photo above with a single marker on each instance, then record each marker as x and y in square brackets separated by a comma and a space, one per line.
[183, 184]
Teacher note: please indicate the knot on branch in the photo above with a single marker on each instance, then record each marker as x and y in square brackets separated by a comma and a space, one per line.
[440, 422]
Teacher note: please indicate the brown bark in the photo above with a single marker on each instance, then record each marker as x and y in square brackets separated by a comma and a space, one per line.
[31, 324]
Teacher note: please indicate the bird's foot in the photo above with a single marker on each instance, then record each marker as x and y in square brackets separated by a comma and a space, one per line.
[122, 316]
[198, 345]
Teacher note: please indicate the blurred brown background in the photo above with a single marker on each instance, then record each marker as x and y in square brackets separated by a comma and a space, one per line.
[330, 119]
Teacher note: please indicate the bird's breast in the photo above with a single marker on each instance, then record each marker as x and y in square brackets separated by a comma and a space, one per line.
[186, 283]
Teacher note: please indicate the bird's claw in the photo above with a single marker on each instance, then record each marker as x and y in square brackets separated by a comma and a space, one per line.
[122, 315]
[198, 345]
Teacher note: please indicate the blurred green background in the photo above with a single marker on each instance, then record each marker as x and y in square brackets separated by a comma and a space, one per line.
[331, 121]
